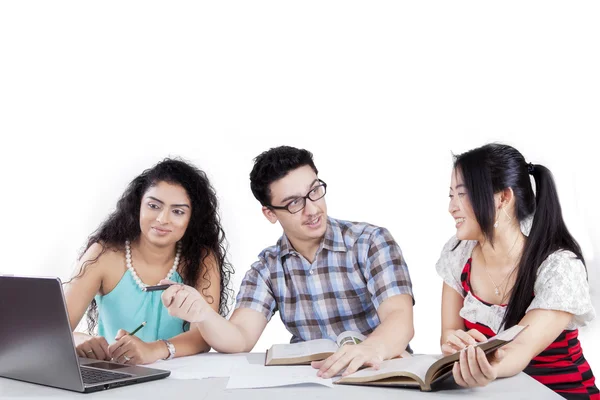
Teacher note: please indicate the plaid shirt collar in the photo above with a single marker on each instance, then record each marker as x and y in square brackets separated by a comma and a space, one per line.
[333, 240]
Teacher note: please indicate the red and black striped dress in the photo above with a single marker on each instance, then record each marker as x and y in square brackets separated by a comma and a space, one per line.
[561, 366]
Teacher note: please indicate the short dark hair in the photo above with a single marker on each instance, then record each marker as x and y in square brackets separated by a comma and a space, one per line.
[273, 165]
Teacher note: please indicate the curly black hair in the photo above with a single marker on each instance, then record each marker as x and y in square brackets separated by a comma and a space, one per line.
[203, 238]
[273, 165]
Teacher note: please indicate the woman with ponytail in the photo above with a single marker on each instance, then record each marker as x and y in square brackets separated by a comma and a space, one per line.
[513, 261]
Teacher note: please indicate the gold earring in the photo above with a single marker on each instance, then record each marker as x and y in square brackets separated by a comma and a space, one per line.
[507, 216]
[498, 219]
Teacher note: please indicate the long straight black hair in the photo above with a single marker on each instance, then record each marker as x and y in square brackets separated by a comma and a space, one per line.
[491, 169]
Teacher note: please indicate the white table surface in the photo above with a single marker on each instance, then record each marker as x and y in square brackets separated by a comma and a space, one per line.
[518, 387]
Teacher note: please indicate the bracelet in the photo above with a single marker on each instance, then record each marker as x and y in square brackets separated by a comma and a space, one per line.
[171, 349]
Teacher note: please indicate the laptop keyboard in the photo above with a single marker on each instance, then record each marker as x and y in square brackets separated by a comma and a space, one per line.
[92, 375]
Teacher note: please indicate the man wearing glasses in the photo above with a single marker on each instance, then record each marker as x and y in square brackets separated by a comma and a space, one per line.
[325, 276]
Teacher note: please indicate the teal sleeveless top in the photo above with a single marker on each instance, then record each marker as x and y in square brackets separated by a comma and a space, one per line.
[127, 306]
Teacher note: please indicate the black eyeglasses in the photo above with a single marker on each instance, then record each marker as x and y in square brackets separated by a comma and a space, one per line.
[297, 204]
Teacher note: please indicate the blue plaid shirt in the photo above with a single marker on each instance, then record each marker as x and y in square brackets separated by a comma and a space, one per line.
[356, 268]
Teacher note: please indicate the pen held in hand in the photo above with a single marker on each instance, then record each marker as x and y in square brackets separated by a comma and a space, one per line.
[138, 328]
[156, 287]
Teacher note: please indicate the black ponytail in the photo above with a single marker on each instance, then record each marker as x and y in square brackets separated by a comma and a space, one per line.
[548, 234]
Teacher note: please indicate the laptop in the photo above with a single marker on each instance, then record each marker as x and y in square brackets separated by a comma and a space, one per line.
[36, 342]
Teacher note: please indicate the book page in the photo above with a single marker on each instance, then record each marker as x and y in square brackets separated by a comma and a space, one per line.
[302, 349]
[441, 366]
[416, 365]
[508, 334]
[350, 337]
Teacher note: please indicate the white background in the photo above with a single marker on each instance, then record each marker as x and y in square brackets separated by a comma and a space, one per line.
[382, 93]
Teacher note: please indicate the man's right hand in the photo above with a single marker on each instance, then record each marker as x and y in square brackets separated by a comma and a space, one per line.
[94, 347]
[185, 302]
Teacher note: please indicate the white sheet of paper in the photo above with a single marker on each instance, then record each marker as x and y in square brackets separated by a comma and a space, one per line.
[200, 366]
[251, 376]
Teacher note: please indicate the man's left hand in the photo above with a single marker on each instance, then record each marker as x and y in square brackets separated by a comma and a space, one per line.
[350, 357]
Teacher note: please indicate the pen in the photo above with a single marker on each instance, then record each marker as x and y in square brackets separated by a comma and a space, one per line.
[130, 334]
[138, 328]
[156, 287]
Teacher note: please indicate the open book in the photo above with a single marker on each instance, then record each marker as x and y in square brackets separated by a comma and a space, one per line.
[422, 370]
[313, 350]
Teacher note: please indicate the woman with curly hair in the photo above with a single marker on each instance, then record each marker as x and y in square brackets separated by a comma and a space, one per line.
[166, 225]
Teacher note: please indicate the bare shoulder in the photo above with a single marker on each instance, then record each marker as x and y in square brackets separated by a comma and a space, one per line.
[209, 276]
[98, 259]
[210, 263]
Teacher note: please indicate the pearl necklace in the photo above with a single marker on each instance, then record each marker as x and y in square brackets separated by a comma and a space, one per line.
[136, 278]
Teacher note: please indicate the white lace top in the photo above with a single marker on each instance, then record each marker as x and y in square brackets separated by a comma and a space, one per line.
[561, 284]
